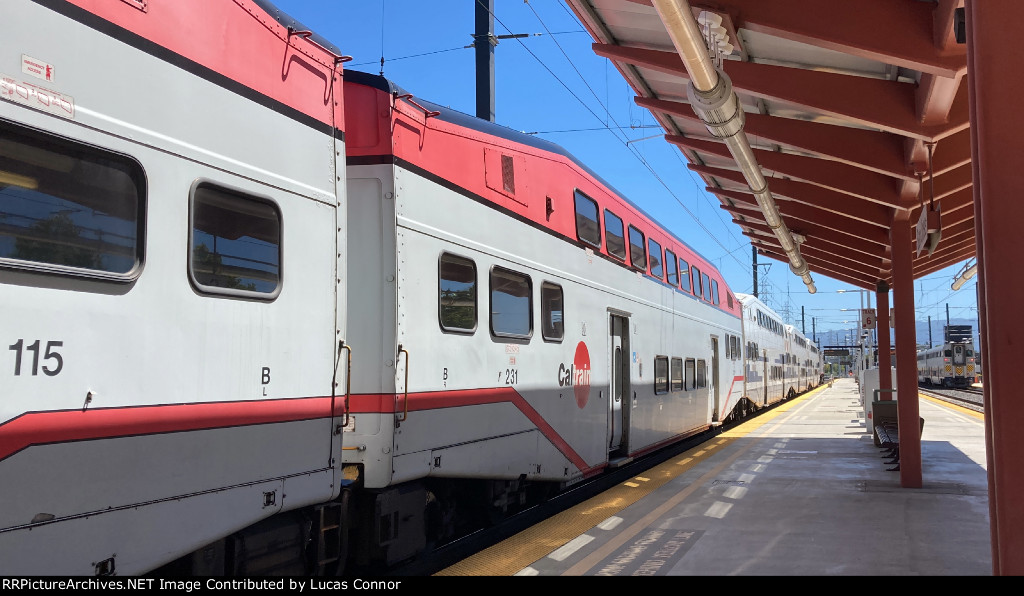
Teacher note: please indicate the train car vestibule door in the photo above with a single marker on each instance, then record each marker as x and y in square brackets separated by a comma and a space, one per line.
[713, 378]
[619, 370]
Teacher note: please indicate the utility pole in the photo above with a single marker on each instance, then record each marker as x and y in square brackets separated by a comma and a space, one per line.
[803, 321]
[754, 250]
[484, 42]
[930, 331]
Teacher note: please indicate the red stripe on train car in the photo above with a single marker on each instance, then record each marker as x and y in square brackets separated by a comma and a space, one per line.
[729, 395]
[436, 400]
[43, 428]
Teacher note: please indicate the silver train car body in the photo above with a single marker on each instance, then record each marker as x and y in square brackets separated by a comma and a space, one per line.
[780, 361]
[951, 364]
[169, 266]
[516, 322]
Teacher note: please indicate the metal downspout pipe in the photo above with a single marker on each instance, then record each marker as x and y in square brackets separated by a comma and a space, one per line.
[711, 95]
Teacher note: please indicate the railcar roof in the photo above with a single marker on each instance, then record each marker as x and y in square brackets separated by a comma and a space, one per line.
[503, 132]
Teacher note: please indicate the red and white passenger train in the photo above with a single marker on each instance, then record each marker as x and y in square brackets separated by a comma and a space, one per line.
[263, 315]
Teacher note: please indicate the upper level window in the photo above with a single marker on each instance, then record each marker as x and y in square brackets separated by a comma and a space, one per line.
[698, 291]
[588, 229]
[551, 302]
[511, 304]
[235, 247]
[614, 235]
[68, 207]
[456, 293]
[684, 276]
[671, 271]
[655, 256]
[705, 286]
[636, 249]
[714, 292]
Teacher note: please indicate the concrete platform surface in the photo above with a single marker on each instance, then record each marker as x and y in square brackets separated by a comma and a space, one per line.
[798, 490]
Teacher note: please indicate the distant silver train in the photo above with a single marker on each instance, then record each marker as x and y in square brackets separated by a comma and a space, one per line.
[264, 316]
[951, 364]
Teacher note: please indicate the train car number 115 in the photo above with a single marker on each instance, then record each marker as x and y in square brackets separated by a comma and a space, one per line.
[52, 360]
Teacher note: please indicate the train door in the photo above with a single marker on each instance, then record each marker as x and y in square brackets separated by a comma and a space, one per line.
[959, 358]
[714, 377]
[764, 361]
[619, 390]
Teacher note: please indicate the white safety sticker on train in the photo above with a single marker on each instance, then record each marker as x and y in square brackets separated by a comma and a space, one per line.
[37, 68]
[37, 97]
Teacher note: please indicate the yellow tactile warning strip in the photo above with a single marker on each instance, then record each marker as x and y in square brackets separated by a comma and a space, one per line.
[511, 555]
[954, 407]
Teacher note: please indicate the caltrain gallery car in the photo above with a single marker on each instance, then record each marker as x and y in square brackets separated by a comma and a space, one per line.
[266, 317]
[952, 363]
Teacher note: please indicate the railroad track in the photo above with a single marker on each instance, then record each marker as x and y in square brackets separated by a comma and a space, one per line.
[971, 398]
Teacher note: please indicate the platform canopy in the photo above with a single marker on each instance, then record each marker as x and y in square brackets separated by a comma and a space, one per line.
[856, 114]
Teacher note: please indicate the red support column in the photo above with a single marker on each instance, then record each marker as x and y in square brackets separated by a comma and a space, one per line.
[996, 128]
[908, 410]
[884, 347]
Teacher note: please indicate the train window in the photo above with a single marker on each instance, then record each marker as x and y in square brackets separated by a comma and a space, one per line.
[511, 304]
[705, 286]
[68, 207]
[456, 294]
[728, 296]
[235, 244]
[551, 312]
[676, 375]
[614, 235]
[691, 374]
[684, 276]
[588, 229]
[695, 274]
[636, 249]
[714, 292]
[671, 268]
[654, 250]
[702, 377]
[660, 374]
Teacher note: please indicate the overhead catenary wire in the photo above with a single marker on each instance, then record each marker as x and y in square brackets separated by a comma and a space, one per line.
[625, 143]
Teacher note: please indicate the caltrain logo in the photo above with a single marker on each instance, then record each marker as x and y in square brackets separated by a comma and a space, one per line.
[577, 376]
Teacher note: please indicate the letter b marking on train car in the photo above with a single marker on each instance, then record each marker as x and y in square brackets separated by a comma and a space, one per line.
[266, 379]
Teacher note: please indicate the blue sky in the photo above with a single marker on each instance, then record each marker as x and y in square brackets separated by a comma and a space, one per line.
[553, 84]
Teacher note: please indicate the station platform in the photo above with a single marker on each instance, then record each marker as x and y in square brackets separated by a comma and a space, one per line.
[800, 490]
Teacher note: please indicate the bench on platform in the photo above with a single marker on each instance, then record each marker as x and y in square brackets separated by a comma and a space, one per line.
[887, 431]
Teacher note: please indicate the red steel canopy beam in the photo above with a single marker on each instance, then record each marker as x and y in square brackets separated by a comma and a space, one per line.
[880, 152]
[814, 233]
[901, 33]
[820, 172]
[859, 282]
[808, 194]
[888, 105]
[811, 214]
[824, 261]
